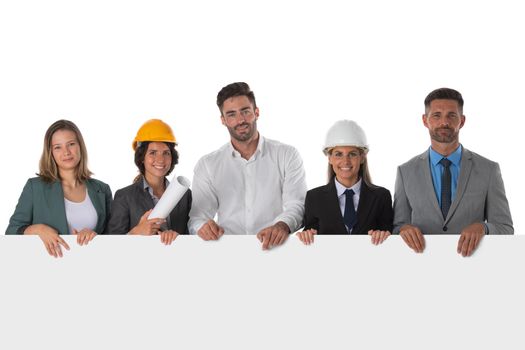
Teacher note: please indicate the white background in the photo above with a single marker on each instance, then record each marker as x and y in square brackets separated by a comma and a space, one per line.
[110, 65]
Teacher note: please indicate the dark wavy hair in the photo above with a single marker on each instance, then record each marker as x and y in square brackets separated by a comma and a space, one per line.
[140, 154]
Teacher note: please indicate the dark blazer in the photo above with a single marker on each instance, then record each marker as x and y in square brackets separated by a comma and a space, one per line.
[322, 211]
[43, 203]
[133, 201]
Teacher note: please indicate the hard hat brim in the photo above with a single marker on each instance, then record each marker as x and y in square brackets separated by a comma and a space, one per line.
[328, 148]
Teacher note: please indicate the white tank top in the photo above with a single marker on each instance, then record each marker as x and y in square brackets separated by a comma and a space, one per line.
[81, 215]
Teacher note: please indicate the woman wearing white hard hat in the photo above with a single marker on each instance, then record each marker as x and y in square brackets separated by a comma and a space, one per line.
[349, 203]
[155, 158]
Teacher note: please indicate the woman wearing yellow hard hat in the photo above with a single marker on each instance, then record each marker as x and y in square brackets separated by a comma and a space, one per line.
[64, 198]
[349, 203]
[155, 158]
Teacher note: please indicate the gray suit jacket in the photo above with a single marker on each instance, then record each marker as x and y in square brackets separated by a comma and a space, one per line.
[480, 197]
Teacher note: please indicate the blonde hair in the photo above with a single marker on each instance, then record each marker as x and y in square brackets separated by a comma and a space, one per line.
[363, 173]
[48, 168]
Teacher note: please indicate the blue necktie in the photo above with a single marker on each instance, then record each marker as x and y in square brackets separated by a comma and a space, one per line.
[446, 187]
[350, 217]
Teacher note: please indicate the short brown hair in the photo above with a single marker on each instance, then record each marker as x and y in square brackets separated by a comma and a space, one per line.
[444, 94]
[233, 90]
[48, 167]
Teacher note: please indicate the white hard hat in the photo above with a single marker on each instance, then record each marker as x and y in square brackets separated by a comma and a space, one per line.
[345, 133]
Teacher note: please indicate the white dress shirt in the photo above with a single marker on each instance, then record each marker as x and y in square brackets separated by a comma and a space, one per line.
[342, 197]
[249, 195]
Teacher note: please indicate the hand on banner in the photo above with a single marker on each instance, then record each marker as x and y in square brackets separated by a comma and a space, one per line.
[307, 236]
[378, 237]
[210, 231]
[413, 237]
[273, 235]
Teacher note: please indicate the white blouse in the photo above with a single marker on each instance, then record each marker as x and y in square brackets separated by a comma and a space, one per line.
[81, 215]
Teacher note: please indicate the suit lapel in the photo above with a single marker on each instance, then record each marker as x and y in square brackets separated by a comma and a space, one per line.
[428, 184]
[145, 196]
[464, 174]
[57, 207]
[366, 200]
[332, 205]
[99, 202]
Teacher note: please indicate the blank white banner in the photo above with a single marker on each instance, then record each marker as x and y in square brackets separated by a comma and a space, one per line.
[340, 293]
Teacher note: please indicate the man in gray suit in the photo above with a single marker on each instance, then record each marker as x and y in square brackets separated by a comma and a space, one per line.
[449, 189]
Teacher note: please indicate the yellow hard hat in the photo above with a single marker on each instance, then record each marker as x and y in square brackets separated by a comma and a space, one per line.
[154, 130]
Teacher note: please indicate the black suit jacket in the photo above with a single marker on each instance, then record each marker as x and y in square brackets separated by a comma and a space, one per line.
[322, 211]
[133, 201]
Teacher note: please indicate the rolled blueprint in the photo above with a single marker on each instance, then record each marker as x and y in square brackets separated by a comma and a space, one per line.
[178, 186]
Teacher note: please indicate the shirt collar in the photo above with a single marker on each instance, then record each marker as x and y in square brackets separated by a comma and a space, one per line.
[341, 189]
[260, 148]
[454, 157]
[148, 188]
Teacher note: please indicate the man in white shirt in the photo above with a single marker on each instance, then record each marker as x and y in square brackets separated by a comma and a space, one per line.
[254, 185]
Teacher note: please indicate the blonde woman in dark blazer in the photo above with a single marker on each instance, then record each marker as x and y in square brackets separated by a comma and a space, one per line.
[349, 203]
[63, 199]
